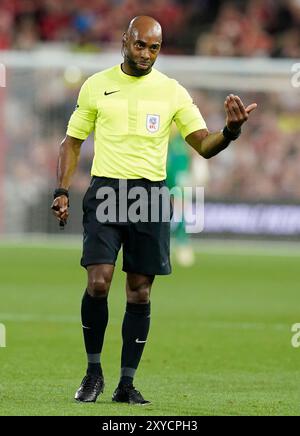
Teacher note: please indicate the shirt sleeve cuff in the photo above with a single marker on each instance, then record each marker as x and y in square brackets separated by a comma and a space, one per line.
[193, 127]
[77, 134]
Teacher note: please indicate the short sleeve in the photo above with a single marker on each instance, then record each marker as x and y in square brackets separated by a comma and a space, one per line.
[82, 121]
[188, 118]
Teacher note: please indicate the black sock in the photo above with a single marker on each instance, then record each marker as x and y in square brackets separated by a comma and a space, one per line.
[94, 315]
[135, 330]
[94, 369]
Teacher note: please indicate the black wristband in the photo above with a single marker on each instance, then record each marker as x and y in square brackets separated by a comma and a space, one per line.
[228, 134]
[60, 191]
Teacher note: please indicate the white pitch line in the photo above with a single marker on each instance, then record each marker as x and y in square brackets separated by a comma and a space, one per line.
[29, 317]
[249, 326]
[210, 247]
[248, 248]
[251, 252]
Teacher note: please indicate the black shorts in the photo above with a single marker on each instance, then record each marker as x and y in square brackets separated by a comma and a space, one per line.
[146, 245]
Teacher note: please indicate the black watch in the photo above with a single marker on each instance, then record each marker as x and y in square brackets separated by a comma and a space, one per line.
[60, 191]
[232, 136]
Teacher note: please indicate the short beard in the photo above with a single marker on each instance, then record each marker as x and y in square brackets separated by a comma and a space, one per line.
[133, 66]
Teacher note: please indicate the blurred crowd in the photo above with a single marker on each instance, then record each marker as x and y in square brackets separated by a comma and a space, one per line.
[205, 27]
[262, 165]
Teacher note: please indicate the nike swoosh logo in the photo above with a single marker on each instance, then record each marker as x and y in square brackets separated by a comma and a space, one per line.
[113, 92]
[140, 342]
[88, 328]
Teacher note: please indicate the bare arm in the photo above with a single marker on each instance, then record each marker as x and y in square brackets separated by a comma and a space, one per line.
[210, 144]
[66, 166]
[67, 161]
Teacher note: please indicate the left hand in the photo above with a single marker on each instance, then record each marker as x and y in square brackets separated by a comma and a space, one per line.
[236, 113]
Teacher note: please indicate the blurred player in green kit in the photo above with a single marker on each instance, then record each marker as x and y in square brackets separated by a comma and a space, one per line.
[182, 170]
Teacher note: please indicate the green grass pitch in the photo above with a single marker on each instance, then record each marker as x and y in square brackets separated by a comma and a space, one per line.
[220, 339]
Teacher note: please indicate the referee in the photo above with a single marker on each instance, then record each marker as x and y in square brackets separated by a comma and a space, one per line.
[130, 107]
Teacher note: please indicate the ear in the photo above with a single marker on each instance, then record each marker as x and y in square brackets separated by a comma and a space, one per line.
[124, 38]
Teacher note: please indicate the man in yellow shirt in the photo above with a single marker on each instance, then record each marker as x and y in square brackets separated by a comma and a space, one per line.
[130, 108]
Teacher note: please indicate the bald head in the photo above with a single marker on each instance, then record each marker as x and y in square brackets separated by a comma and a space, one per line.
[145, 25]
[141, 45]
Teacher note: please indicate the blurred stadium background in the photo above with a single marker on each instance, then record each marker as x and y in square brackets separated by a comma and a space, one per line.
[50, 47]
[215, 47]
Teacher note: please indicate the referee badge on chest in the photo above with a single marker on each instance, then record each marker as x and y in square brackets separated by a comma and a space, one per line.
[153, 122]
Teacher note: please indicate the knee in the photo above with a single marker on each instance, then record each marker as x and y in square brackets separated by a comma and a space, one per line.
[142, 296]
[139, 288]
[98, 287]
[139, 294]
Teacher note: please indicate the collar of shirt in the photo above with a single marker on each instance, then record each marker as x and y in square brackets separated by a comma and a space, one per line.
[127, 78]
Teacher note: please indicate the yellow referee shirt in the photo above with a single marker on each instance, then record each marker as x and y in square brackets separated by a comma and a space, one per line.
[131, 117]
